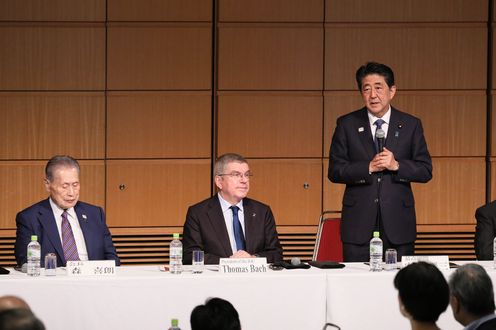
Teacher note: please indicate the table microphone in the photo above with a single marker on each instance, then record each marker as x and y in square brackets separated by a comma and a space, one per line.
[295, 261]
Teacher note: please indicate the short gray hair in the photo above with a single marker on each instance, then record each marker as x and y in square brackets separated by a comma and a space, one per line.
[60, 161]
[473, 288]
[222, 161]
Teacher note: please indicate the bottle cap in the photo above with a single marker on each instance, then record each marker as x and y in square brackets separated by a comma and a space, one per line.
[376, 234]
[34, 237]
[175, 235]
[174, 322]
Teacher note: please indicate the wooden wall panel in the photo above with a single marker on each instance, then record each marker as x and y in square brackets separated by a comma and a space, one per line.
[157, 192]
[159, 56]
[39, 125]
[493, 178]
[160, 10]
[406, 11]
[52, 10]
[270, 125]
[493, 124]
[451, 57]
[159, 125]
[270, 57]
[455, 191]
[22, 184]
[454, 121]
[271, 10]
[332, 192]
[52, 57]
[280, 184]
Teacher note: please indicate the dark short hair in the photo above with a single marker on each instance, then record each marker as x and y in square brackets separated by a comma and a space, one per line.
[473, 288]
[216, 314]
[374, 68]
[19, 319]
[222, 161]
[60, 161]
[423, 290]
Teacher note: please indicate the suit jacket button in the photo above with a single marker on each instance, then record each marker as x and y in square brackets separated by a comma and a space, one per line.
[376, 200]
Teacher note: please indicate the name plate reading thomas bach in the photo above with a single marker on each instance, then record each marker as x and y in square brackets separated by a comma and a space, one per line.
[91, 267]
[243, 265]
[441, 262]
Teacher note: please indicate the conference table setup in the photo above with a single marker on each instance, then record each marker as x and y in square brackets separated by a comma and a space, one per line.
[148, 297]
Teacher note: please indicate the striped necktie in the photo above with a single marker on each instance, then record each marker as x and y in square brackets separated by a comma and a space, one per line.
[68, 241]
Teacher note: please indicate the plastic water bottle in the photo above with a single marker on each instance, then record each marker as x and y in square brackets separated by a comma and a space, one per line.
[174, 325]
[494, 251]
[176, 255]
[34, 257]
[376, 253]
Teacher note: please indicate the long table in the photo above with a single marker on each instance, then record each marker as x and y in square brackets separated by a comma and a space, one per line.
[143, 297]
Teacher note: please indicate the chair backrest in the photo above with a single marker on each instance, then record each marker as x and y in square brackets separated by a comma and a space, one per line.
[328, 245]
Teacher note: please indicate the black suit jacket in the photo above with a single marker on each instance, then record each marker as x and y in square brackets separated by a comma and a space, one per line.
[488, 325]
[485, 231]
[205, 229]
[352, 149]
[38, 220]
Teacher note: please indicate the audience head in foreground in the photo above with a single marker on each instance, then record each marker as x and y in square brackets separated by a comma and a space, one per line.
[423, 294]
[12, 302]
[216, 314]
[19, 319]
[472, 297]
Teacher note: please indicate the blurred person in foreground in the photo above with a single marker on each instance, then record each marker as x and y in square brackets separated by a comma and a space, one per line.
[423, 294]
[216, 314]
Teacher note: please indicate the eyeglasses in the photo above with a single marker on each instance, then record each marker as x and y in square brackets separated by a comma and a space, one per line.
[238, 175]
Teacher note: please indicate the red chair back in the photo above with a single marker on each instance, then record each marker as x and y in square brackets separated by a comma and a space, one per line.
[328, 245]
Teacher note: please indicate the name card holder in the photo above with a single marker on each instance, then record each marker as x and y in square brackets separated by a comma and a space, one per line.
[441, 262]
[243, 265]
[91, 268]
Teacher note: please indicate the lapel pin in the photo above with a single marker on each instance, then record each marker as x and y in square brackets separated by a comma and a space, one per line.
[85, 217]
[396, 134]
[361, 129]
[400, 126]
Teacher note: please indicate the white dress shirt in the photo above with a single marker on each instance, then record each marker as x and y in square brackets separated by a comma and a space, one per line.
[76, 228]
[228, 218]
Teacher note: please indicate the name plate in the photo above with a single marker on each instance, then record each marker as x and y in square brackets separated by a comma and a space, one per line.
[441, 262]
[243, 265]
[91, 267]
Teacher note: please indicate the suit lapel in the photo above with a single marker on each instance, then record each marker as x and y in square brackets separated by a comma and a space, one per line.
[85, 228]
[250, 217]
[364, 133]
[47, 221]
[219, 225]
[394, 129]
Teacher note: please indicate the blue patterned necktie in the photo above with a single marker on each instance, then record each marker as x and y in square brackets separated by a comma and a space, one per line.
[238, 231]
[68, 241]
[378, 123]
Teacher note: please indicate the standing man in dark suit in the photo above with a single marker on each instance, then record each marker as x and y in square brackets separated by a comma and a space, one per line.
[472, 298]
[230, 225]
[71, 229]
[378, 195]
[485, 231]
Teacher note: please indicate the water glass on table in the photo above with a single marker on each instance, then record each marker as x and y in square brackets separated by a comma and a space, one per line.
[198, 261]
[391, 259]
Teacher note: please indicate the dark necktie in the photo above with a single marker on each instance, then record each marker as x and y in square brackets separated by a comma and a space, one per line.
[378, 123]
[68, 241]
[238, 231]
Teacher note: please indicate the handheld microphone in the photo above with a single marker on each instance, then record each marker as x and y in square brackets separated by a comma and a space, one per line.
[379, 137]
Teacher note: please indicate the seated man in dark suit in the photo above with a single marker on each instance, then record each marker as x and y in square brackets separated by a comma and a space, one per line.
[71, 229]
[229, 224]
[472, 298]
[485, 231]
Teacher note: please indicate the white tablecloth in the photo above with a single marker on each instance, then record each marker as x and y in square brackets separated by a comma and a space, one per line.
[142, 297]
